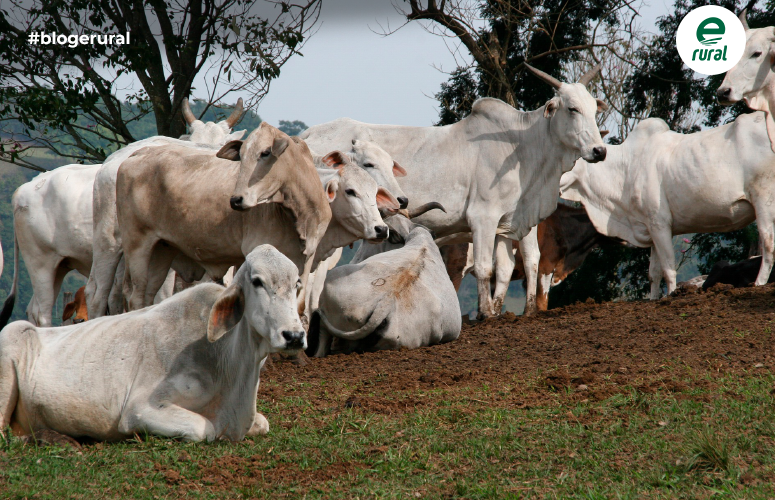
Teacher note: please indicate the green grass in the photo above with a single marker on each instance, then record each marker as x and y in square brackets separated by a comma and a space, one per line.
[695, 444]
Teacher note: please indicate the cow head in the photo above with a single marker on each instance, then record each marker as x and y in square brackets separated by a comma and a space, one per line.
[380, 166]
[755, 71]
[263, 294]
[356, 199]
[268, 158]
[211, 133]
[572, 113]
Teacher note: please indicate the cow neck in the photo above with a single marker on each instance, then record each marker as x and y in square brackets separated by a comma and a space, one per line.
[539, 138]
[240, 344]
[336, 236]
[303, 195]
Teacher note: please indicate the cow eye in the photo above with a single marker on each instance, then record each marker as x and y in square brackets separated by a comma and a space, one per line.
[265, 153]
[368, 165]
[573, 110]
[257, 282]
[350, 192]
[756, 54]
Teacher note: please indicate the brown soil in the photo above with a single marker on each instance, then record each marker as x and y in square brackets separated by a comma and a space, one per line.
[584, 351]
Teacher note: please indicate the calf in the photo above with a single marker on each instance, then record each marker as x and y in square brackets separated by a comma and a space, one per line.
[401, 297]
[188, 367]
[740, 274]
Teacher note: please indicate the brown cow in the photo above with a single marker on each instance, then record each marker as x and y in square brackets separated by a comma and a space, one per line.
[565, 238]
[76, 307]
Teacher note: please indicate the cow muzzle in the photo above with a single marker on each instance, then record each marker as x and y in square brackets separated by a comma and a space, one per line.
[724, 95]
[236, 203]
[599, 153]
[294, 340]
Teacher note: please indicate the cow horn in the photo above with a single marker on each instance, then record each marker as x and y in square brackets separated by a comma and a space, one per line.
[743, 19]
[416, 212]
[187, 114]
[236, 115]
[589, 75]
[543, 76]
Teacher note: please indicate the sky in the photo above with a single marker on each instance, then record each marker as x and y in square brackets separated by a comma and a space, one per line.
[349, 69]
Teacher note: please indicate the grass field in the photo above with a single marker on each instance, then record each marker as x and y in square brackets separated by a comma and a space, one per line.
[662, 445]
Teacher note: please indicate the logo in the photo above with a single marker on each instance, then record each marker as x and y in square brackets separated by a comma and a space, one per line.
[710, 40]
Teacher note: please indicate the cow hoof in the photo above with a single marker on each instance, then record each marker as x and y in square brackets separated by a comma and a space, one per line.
[260, 426]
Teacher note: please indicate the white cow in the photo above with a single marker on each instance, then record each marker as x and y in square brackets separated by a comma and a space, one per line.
[101, 295]
[496, 171]
[752, 79]
[659, 183]
[52, 221]
[186, 368]
[393, 294]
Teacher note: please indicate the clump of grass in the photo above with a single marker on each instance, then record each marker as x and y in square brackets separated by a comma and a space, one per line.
[708, 452]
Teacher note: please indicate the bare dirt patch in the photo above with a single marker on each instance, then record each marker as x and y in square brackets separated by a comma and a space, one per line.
[584, 351]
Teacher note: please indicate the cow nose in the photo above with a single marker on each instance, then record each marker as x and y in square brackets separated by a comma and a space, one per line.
[403, 201]
[294, 340]
[382, 231]
[236, 203]
[723, 93]
[599, 153]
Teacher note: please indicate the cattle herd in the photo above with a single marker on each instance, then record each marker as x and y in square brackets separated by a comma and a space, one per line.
[150, 352]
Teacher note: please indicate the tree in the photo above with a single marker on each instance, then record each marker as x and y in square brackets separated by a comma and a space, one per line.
[501, 35]
[294, 127]
[66, 98]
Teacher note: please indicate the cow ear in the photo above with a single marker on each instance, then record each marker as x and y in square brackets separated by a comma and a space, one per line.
[230, 151]
[604, 133]
[69, 311]
[385, 200]
[332, 186]
[601, 105]
[398, 170]
[278, 145]
[334, 159]
[551, 107]
[226, 312]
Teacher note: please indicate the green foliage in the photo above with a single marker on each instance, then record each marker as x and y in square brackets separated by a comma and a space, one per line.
[294, 127]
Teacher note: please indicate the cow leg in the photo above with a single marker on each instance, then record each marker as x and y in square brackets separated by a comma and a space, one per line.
[531, 254]
[100, 289]
[542, 292]
[260, 426]
[484, 244]
[504, 267]
[46, 284]
[136, 273]
[663, 242]
[170, 420]
[766, 246]
[158, 271]
[116, 297]
[655, 275]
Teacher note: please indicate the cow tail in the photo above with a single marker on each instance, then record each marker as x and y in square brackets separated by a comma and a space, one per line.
[5, 315]
[379, 315]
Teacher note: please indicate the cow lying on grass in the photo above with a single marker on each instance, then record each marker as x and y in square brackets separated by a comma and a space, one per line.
[394, 294]
[188, 367]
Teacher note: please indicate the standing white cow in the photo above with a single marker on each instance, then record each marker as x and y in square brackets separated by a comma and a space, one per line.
[52, 222]
[752, 79]
[394, 294]
[659, 183]
[101, 295]
[496, 171]
[187, 368]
